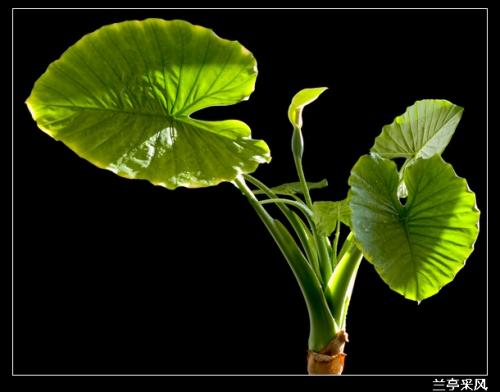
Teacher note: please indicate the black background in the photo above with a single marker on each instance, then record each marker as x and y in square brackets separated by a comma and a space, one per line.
[119, 276]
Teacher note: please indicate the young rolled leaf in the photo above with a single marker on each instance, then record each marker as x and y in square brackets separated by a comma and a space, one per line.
[300, 100]
[425, 129]
[419, 247]
[328, 213]
[122, 98]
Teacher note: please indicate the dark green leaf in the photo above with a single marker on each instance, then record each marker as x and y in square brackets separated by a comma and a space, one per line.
[419, 247]
[122, 97]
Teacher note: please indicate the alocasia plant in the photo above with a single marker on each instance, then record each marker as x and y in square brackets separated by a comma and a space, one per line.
[125, 98]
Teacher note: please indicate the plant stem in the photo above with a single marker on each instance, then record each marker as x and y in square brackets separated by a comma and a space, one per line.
[302, 179]
[324, 256]
[335, 246]
[303, 233]
[307, 212]
[323, 327]
[310, 247]
[341, 282]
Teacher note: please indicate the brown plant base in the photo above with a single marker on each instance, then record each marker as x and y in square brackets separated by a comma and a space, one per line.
[330, 360]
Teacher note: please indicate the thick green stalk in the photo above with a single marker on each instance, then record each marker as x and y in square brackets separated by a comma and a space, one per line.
[342, 280]
[310, 247]
[335, 246]
[303, 233]
[298, 151]
[299, 205]
[323, 327]
[324, 256]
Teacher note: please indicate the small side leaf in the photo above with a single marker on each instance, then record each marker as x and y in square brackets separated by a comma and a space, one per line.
[418, 247]
[327, 213]
[302, 98]
[425, 129]
[293, 188]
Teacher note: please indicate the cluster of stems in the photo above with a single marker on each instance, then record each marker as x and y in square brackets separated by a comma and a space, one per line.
[325, 274]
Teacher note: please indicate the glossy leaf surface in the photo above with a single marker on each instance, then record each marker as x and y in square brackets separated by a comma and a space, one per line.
[419, 247]
[425, 129]
[122, 97]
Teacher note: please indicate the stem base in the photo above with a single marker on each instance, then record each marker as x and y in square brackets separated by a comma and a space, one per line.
[330, 360]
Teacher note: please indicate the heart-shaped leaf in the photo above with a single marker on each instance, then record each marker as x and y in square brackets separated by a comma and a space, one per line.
[122, 97]
[419, 247]
[327, 213]
[425, 129]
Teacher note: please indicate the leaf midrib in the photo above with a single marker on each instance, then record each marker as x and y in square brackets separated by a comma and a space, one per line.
[163, 116]
[83, 108]
[413, 261]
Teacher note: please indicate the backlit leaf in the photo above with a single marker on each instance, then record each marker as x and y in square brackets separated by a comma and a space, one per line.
[425, 129]
[418, 247]
[123, 97]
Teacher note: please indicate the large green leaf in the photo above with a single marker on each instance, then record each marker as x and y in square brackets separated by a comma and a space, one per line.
[419, 247]
[424, 130]
[122, 97]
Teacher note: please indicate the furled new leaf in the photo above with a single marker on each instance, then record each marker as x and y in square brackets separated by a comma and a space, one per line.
[425, 129]
[122, 97]
[328, 213]
[419, 247]
[300, 100]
